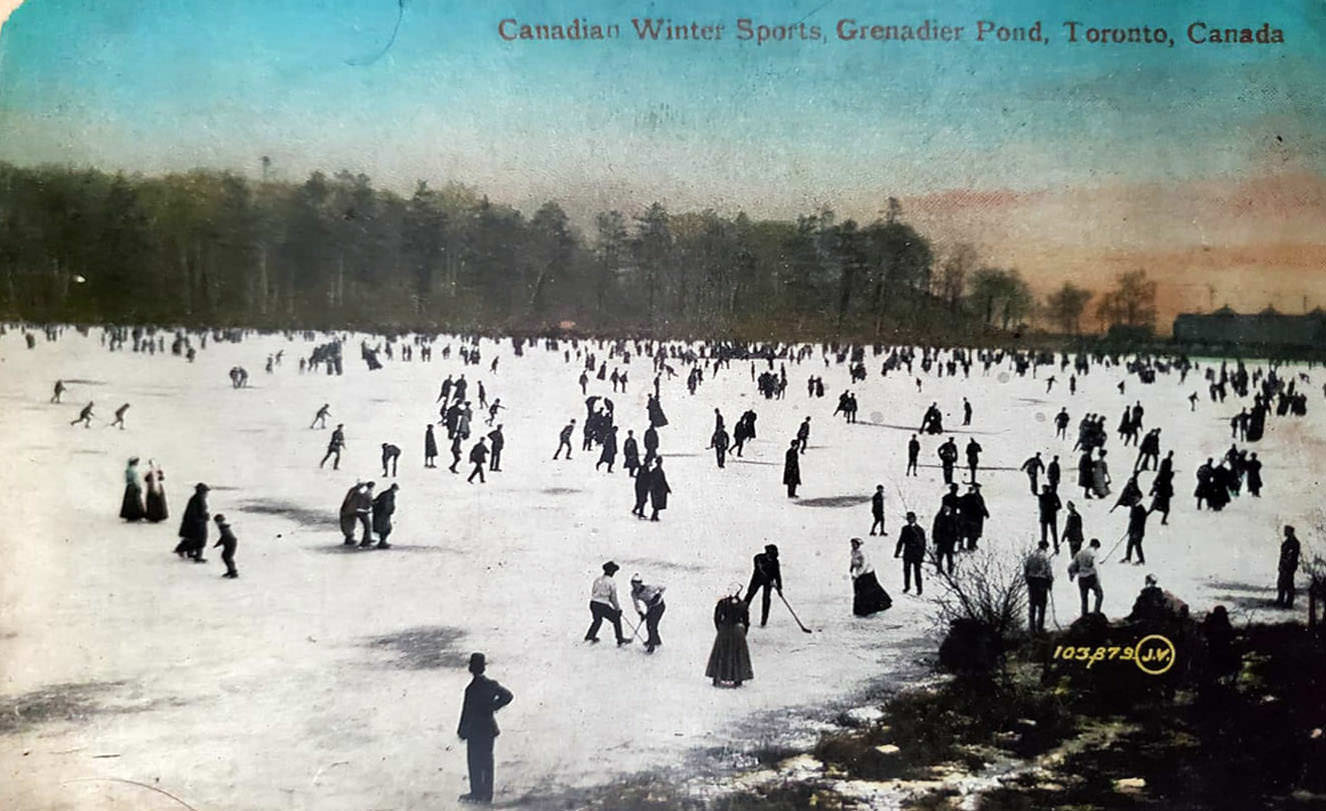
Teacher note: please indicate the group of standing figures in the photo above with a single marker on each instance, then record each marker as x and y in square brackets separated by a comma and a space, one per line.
[144, 496]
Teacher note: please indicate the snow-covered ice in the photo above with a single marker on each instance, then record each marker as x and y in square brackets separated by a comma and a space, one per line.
[333, 680]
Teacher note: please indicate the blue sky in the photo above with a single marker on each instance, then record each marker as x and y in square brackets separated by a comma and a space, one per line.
[158, 86]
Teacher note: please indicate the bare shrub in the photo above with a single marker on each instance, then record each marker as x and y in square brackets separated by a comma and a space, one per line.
[985, 587]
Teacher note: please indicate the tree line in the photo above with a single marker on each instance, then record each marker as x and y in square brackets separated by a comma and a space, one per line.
[216, 248]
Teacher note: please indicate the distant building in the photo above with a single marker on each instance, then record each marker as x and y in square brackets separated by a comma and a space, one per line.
[1267, 328]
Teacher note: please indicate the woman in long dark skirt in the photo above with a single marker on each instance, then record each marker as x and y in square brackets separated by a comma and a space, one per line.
[1256, 423]
[656, 416]
[1218, 494]
[131, 508]
[430, 447]
[1254, 467]
[869, 597]
[729, 661]
[156, 493]
[1162, 490]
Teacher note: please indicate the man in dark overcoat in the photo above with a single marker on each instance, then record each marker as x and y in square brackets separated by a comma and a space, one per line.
[478, 728]
[193, 525]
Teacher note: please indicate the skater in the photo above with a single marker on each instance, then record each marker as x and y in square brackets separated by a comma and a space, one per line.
[648, 602]
[973, 458]
[156, 511]
[803, 434]
[765, 574]
[456, 452]
[948, 458]
[384, 507]
[1149, 451]
[1254, 475]
[913, 453]
[911, 548]
[497, 441]
[658, 489]
[631, 454]
[483, 697]
[430, 447]
[1130, 494]
[84, 416]
[603, 605]
[228, 542]
[334, 446]
[193, 526]
[478, 457]
[1288, 566]
[1049, 505]
[1033, 467]
[971, 516]
[1053, 473]
[966, 412]
[131, 506]
[59, 390]
[355, 507]
[719, 442]
[791, 470]
[320, 419]
[1162, 489]
[1100, 476]
[390, 456]
[951, 499]
[729, 658]
[608, 456]
[743, 432]
[564, 440]
[1086, 474]
[643, 477]
[877, 510]
[868, 596]
[1136, 533]
[944, 533]
[1083, 567]
[651, 445]
[1072, 530]
[1061, 421]
[119, 417]
[493, 409]
[1040, 578]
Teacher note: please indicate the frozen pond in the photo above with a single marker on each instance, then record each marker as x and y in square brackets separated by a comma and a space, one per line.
[332, 680]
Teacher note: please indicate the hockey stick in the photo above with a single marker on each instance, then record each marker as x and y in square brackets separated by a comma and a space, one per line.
[1110, 553]
[635, 629]
[793, 613]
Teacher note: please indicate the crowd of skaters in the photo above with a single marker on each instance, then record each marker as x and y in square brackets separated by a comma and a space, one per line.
[957, 522]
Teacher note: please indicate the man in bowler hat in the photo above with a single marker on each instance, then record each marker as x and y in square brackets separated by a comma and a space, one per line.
[478, 729]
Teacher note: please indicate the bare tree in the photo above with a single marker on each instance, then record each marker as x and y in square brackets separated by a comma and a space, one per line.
[952, 280]
[1064, 307]
[1131, 303]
